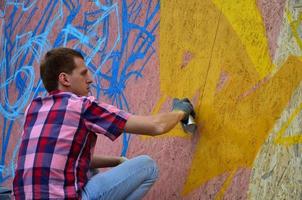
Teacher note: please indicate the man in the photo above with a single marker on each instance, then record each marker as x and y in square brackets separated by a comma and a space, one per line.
[60, 132]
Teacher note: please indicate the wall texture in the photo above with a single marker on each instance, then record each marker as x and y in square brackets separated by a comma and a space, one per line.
[240, 62]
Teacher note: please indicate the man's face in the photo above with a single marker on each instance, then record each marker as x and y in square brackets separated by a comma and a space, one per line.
[80, 78]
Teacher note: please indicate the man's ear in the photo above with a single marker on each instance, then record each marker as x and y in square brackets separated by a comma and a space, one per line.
[64, 79]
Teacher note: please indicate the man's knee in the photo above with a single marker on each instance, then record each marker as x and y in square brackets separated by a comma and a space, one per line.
[148, 162]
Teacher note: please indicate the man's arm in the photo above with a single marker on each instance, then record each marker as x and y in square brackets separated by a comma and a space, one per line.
[155, 124]
[106, 161]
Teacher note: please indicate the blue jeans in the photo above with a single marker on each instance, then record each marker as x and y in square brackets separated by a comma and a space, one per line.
[130, 180]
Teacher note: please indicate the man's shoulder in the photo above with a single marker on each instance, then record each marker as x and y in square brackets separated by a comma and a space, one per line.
[60, 95]
[64, 97]
[70, 100]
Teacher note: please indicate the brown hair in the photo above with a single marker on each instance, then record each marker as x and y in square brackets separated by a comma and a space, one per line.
[56, 61]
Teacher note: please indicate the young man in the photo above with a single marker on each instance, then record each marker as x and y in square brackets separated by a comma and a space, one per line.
[60, 132]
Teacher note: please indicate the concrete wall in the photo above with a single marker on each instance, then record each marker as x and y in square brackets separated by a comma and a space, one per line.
[238, 61]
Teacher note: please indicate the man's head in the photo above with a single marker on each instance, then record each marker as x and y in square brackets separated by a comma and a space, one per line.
[64, 69]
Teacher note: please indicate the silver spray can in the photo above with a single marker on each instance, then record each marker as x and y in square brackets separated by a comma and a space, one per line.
[190, 125]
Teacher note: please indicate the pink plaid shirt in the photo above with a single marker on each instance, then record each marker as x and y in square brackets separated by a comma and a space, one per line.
[57, 144]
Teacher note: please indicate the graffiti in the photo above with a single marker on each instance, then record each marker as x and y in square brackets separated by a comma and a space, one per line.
[289, 41]
[276, 171]
[115, 37]
[235, 120]
[289, 140]
[295, 24]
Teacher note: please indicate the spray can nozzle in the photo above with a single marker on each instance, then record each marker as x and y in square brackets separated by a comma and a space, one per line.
[189, 125]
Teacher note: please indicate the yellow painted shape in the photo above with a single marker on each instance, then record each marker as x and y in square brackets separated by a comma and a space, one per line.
[233, 131]
[246, 20]
[181, 32]
[294, 25]
[233, 123]
[289, 140]
[177, 39]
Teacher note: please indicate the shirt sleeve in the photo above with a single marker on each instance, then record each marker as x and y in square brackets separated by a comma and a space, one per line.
[103, 118]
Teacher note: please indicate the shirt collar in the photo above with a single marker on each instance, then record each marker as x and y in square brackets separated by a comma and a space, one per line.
[54, 92]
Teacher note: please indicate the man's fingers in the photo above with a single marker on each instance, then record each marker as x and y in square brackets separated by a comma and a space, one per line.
[175, 100]
[184, 105]
[190, 105]
[186, 100]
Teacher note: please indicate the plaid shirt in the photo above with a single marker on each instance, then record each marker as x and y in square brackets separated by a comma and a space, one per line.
[58, 142]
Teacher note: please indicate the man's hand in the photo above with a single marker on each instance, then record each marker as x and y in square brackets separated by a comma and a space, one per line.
[106, 161]
[162, 122]
[185, 106]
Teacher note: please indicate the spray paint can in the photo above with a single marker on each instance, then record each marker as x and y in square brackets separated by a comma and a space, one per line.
[190, 125]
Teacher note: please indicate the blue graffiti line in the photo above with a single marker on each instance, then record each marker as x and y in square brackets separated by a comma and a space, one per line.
[8, 171]
[10, 111]
[141, 50]
[25, 5]
[27, 45]
[116, 38]
[2, 11]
